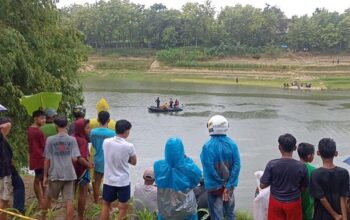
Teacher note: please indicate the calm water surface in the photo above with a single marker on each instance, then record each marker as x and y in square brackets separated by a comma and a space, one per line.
[257, 117]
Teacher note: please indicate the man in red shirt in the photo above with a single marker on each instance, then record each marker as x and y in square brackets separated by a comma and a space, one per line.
[36, 142]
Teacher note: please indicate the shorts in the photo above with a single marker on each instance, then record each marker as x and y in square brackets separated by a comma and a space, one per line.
[39, 172]
[6, 188]
[113, 193]
[84, 179]
[66, 188]
[284, 210]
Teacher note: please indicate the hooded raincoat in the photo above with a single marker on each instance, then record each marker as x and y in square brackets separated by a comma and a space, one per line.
[176, 177]
[82, 140]
[221, 163]
[102, 105]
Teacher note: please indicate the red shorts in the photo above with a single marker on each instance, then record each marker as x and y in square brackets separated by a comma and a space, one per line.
[284, 210]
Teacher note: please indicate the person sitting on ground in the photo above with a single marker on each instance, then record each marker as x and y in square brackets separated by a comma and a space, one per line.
[8, 171]
[221, 167]
[78, 112]
[83, 166]
[61, 151]
[171, 102]
[287, 178]
[118, 154]
[97, 136]
[49, 129]
[145, 195]
[329, 185]
[36, 142]
[176, 176]
[306, 154]
[157, 102]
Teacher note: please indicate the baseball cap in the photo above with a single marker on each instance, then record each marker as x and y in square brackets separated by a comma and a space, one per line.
[50, 112]
[148, 174]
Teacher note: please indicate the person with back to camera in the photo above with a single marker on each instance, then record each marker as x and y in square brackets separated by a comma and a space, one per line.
[287, 178]
[83, 165]
[97, 137]
[176, 176]
[221, 166]
[306, 154]
[61, 151]
[329, 185]
[78, 112]
[145, 195]
[118, 154]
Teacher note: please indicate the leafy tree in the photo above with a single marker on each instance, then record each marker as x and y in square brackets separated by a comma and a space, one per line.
[37, 54]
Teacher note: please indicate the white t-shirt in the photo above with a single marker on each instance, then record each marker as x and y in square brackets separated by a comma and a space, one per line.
[117, 152]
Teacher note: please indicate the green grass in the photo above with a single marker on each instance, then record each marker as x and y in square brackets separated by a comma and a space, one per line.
[126, 52]
[112, 69]
[124, 64]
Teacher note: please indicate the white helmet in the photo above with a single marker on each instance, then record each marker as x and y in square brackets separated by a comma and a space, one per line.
[217, 125]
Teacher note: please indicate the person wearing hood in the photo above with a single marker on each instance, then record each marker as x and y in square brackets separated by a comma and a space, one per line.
[82, 166]
[176, 176]
[102, 105]
[221, 166]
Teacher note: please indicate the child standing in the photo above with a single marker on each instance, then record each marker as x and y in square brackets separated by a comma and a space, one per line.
[287, 177]
[36, 142]
[329, 184]
[118, 154]
[61, 151]
[306, 154]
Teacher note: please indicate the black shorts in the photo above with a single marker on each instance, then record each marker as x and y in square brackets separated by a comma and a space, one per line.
[39, 172]
[113, 193]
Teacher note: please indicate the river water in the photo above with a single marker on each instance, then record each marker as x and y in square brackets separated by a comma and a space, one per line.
[257, 116]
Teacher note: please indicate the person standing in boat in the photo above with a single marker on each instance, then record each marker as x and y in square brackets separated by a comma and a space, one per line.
[177, 103]
[158, 102]
[171, 102]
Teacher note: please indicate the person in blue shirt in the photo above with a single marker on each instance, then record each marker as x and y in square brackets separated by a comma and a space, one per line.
[221, 166]
[97, 136]
[176, 176]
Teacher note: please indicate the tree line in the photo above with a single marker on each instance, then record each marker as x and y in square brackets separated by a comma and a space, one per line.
[38, 53]
[122, 24]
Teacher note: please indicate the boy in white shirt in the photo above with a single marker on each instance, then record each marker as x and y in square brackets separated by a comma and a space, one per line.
[118, 154]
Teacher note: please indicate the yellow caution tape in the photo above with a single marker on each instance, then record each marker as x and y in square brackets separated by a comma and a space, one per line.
[17, 215]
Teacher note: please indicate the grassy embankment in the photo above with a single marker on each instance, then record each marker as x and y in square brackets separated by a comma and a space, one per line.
[320, 71]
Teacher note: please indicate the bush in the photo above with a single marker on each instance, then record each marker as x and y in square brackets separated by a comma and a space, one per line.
[173, 56]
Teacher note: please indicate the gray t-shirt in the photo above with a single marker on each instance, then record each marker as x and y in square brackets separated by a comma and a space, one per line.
[145, 196]
[60, 149]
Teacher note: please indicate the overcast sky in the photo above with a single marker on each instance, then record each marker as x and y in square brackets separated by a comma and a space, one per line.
[290, 7]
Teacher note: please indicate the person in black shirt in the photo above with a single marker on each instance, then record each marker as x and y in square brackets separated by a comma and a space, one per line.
[8, 172]
[329, 185]
[157, 102]
[287, 178]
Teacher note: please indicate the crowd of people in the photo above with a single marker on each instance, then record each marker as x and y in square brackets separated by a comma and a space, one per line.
[175, 187]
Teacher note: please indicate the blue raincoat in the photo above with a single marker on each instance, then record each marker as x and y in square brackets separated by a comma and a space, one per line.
[176, 176]
[221, 163]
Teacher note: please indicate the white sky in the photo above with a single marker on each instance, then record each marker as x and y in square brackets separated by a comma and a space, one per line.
[290, 7]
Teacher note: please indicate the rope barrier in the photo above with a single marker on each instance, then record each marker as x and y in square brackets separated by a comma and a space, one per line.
[16, 215]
